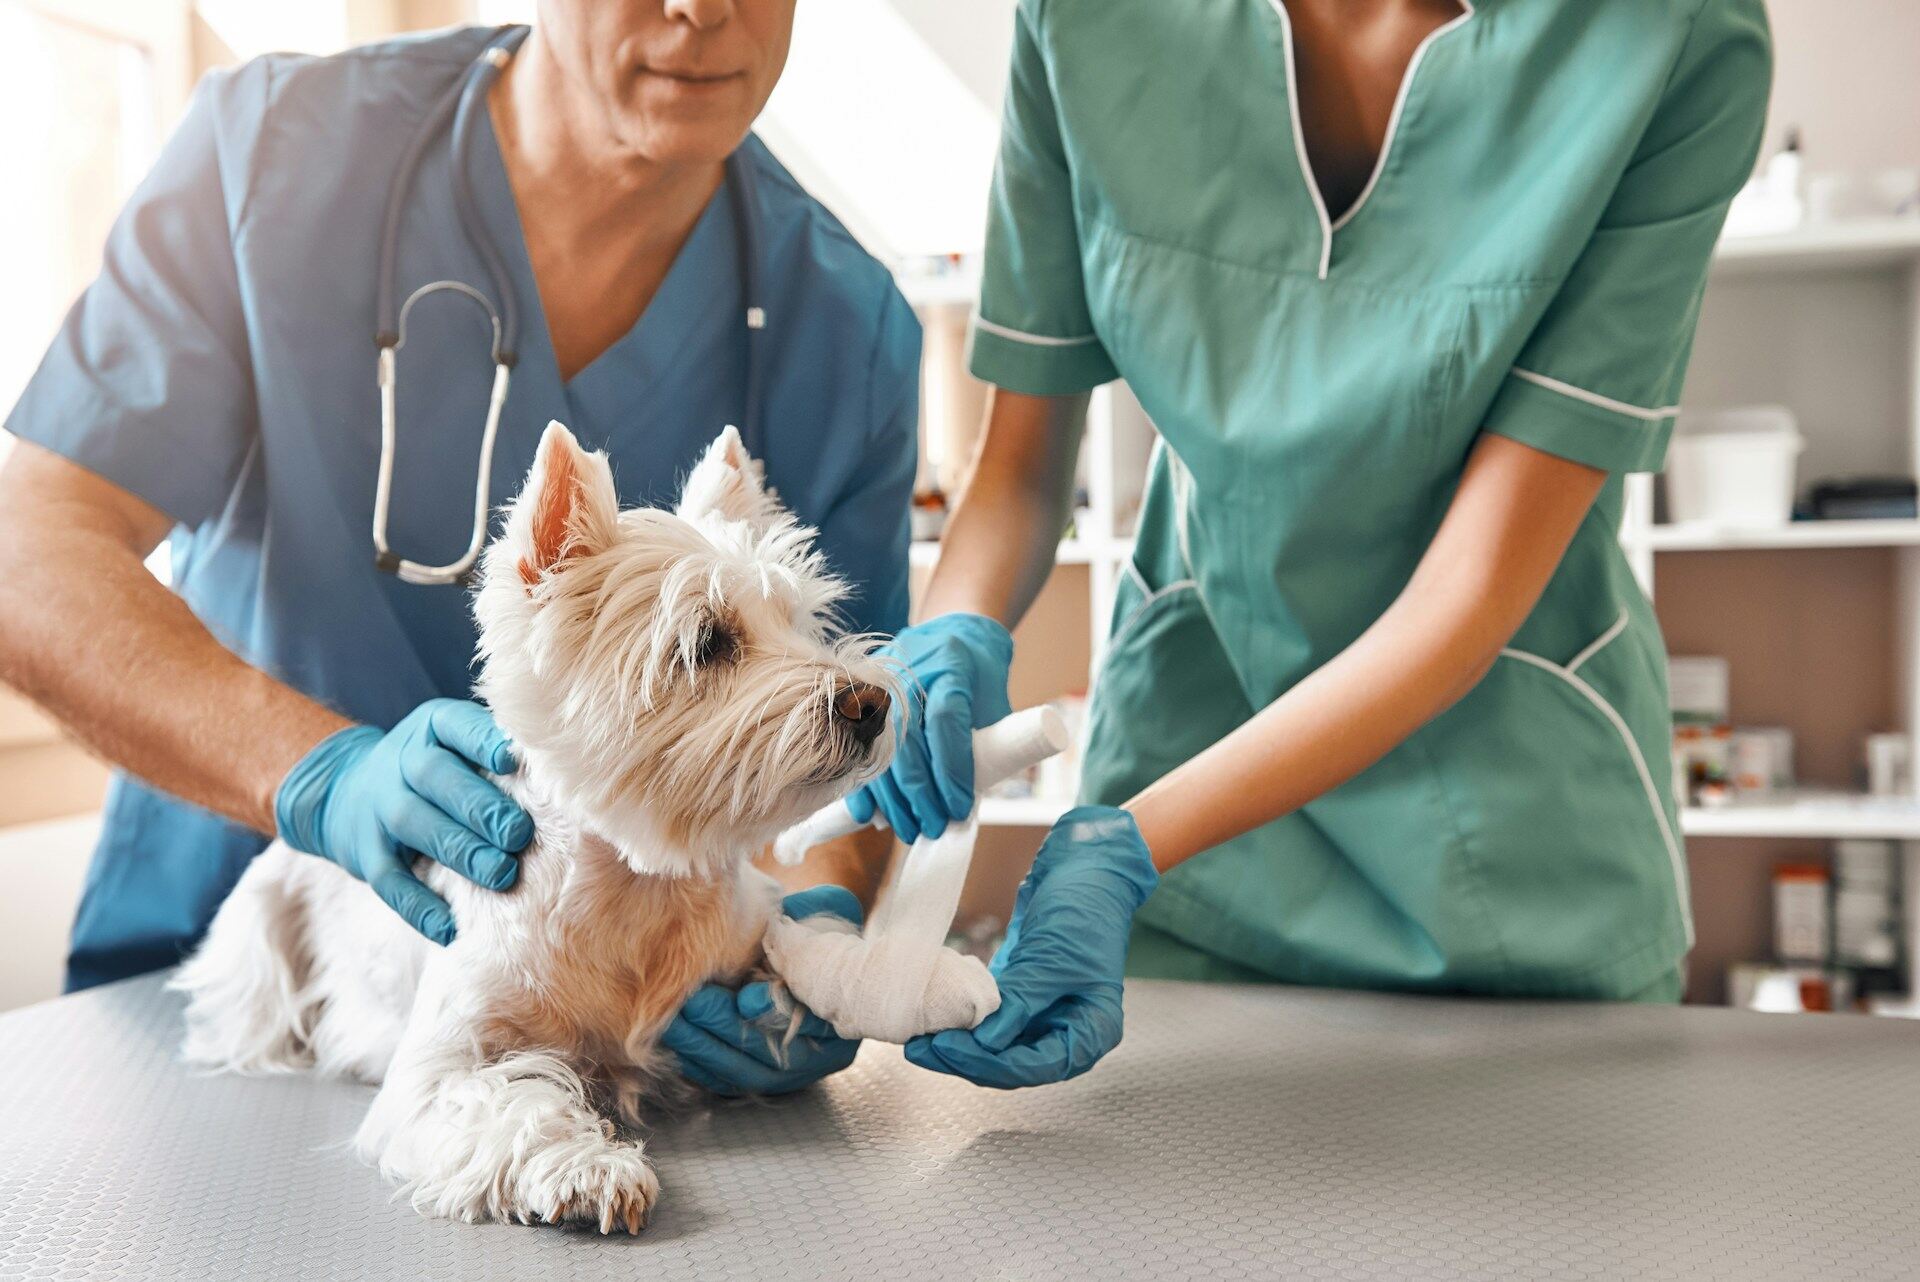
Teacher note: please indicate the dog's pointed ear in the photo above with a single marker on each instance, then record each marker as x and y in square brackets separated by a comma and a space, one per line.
[567, 508]
[729, 483]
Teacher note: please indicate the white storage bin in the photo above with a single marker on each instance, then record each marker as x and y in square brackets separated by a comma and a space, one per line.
[1734, 467]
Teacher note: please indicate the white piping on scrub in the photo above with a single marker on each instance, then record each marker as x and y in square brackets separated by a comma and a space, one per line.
[1038, 340]
[1300, 141]
[1178, 585]
[1594, 398]
[1330, 226]
[1399, 102]
[1599, 643]
[1674, 857]
[1124, 628]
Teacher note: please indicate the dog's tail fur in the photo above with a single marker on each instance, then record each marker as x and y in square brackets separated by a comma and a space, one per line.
[250, 1008]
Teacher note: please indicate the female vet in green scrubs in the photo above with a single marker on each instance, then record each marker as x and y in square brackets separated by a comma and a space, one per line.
[1384, 427]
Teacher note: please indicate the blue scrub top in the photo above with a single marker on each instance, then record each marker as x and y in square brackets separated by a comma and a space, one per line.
[222, 368]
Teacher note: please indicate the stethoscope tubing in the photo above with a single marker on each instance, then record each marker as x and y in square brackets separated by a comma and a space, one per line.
[462, 104]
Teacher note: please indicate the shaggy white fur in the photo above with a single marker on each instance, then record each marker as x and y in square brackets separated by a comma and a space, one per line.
[677, 696]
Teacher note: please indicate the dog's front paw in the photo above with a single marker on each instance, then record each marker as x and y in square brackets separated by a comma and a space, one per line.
[613, 1188]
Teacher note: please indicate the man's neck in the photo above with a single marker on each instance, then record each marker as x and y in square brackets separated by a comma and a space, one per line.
[587, 184]
[602, 221]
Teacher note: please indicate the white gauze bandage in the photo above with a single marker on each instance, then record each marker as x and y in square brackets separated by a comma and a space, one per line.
[899, 979]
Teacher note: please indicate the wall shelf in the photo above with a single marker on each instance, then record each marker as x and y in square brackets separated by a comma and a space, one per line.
[956, 288]
[1022, 812]
[1834, 246]
[1799, 534]
[924, 552]
[1808, 815]
[1819, 815]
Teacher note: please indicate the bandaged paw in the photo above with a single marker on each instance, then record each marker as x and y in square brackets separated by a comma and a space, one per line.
[887, 990]
[899, 979]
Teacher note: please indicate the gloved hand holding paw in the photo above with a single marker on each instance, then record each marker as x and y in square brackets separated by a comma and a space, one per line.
[1060, 969]
[734, 1042]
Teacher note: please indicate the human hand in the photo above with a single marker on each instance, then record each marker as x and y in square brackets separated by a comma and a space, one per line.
[368, 800]
[1060, 968]
[722, 1036]
[957, 682]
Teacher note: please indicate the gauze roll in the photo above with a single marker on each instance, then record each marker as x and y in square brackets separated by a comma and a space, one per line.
[899, 979]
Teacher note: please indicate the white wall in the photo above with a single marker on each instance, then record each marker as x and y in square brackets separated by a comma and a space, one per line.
[44, 865]
[878, 124]
[1847, 72]
[972, 37]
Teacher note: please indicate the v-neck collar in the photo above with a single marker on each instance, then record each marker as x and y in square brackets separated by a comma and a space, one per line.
[705, 269]
[1328, 226]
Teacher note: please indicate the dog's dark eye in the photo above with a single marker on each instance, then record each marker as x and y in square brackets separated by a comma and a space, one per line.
[717, 644]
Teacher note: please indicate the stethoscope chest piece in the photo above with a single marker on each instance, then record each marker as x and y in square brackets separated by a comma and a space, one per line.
[457, 571]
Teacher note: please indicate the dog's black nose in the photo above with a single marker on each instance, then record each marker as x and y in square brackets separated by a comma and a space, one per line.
[861, 711]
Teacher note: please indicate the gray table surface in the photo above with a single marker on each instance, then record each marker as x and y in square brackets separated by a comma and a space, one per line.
[1239, 1132]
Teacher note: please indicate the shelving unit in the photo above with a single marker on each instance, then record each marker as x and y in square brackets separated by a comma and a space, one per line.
[1820, 620]
[1825, 320]
[1868, 243]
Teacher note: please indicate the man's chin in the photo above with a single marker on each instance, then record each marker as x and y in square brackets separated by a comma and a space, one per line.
[684, 138]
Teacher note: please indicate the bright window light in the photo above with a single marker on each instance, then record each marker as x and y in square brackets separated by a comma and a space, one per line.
[249, 27]
[882, 130]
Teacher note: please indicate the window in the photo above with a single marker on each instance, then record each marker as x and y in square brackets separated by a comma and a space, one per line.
[87, 92]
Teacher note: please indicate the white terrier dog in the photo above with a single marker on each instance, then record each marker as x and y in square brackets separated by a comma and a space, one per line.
[677, 699]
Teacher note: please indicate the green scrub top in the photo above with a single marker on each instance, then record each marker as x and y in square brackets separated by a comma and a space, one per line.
[1527, 259]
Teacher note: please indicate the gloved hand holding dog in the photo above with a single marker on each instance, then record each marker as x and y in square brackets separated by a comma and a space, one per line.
[369, 799]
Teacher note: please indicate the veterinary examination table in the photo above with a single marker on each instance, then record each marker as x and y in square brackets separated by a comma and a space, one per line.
[1238, 1133]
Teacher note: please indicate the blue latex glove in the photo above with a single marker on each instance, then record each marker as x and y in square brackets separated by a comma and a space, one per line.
[957, 682]
[370, 800]
[734, 1043]
[1060, 968]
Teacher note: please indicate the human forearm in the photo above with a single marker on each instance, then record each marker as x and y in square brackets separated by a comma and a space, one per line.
[996, 555]
[1509, 525]
[89, 635]
[1412, 664]
[999, 547]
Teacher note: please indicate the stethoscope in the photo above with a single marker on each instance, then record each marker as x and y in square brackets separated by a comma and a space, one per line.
[464, 102]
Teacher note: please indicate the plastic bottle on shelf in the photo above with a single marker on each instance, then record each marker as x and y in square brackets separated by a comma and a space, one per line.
[1773, 201]
[1801, 916]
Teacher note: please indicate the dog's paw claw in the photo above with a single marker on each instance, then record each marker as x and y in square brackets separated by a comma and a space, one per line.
[616, 1190]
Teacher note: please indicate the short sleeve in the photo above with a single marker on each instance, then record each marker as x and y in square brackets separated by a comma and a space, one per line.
[866, 534]
[1033, 333]
[1598, 381]
[148, 383]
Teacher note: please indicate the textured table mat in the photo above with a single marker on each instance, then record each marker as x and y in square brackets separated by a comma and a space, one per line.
[1238, 1133]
